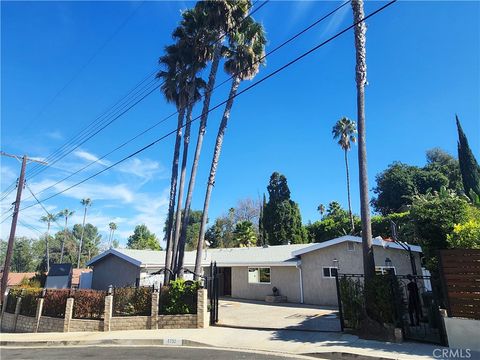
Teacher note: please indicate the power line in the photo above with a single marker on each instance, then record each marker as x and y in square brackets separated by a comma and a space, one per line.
[96, 131]
[84, 66]
[43, 207]
[298, 58]
[31, 227]
[176, 112]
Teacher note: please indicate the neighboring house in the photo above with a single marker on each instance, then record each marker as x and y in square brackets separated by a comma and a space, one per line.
[303, 273]
[15, 279]
[59, 276]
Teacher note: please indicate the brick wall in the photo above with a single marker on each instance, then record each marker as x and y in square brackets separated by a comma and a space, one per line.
[130, 323]
[39, 323]
[85, 325]
[177, 321]
[26, 324]
[50, 324]
[8, 322]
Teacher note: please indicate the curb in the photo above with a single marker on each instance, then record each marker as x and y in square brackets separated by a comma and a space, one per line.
[124, 342]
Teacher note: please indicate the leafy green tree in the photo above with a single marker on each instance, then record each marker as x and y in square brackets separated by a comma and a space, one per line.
[281, 218]
[244, 56]
[399, 183]
[90, 238]
[469, 167]
[335, 223]
[434, 216]
[221, 233]
[344, 132]
[245, 234]
[143, 239]
[22, 258]
[441, 161]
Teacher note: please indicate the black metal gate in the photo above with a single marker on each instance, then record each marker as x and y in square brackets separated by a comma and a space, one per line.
[212, 284]
[412, 303]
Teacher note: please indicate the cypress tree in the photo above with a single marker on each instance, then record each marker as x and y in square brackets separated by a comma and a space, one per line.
[468, 164]
[262, 235]
[281, 217]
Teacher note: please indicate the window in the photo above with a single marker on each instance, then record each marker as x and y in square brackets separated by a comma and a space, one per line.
[350, 246]
[329, 272]
[259, 275]
[383, 270]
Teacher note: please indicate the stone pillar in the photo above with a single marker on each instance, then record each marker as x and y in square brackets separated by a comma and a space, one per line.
[202, 309]
[154, 311]
[68, 314]
[17, 311]
[38, 313]
[107, 316]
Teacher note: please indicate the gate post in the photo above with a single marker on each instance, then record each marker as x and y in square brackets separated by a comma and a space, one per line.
[339, 300]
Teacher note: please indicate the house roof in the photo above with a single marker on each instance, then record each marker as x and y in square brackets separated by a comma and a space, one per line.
[357, 239]
[275, 255]
[16, 278]
[271, 255]
[60, 270]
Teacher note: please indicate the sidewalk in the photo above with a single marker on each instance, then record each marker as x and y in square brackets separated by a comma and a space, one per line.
[281, 341]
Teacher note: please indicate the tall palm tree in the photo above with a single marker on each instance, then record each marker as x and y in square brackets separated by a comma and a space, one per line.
[361, 79]
[87, 202]
[194, 57]
[244, 57]
[220, 18]
[321, 209]
[112, 227]
[173, 88]
[65, 214]
[48, 219]
[344, 131]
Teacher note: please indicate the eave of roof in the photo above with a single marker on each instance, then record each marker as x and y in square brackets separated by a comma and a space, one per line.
[116, 253]
[351, 238]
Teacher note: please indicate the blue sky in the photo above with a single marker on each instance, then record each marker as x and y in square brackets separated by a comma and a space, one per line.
[423, 67]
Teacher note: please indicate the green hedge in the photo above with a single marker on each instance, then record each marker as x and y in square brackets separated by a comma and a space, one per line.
[132, 301]
[179, 298]
[28, 307]
[88, 304]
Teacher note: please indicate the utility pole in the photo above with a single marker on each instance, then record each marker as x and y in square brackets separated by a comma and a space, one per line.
[13, 228]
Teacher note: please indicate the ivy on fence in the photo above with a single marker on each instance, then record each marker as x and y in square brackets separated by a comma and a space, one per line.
[132, 301]
[55, 302]
[179, 298]
[351, 291]
[88, 304]
[28, 306]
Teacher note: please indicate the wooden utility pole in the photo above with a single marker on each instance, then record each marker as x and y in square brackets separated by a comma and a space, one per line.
[13, 228]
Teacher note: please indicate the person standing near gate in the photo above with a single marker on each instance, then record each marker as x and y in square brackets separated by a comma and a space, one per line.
[414, 306]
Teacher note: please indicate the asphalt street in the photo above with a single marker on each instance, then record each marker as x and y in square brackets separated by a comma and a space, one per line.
[130, 353]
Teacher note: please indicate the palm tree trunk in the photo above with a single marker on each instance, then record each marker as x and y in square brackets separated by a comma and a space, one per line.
[352, 224]
[81, 238]
[196, 158]
[173, 192]
[63, 240]
[361, 76]
[183, 173]
[47, 253]
[213, 172]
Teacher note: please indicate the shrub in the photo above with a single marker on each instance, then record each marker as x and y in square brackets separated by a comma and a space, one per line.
[179, 298]
[13, 295]
[55, 302]
[28, 307]
[132, 301]
[88, 304]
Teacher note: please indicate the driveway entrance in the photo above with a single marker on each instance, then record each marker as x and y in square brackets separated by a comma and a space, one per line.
[259, 314]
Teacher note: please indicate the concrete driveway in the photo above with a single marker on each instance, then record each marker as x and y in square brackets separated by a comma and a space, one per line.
[259, 314]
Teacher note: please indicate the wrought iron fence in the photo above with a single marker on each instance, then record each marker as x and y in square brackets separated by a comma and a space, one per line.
[403, 301]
